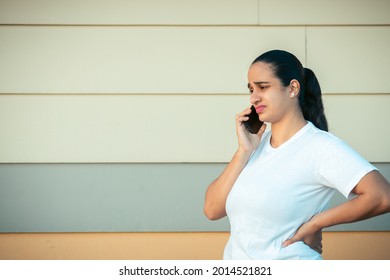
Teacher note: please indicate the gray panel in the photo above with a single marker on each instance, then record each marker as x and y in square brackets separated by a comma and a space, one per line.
[105, 197]
[118, 198]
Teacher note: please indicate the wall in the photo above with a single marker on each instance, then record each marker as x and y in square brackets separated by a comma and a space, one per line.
[115, 115]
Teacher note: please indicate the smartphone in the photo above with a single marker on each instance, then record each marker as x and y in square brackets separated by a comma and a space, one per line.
[253, 125]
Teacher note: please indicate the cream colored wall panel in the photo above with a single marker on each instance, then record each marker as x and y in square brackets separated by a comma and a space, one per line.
[322, 12]
[362, 121]
[128, 12]
[136, 59]
[129, 128]
[350, 59]
[157, 128]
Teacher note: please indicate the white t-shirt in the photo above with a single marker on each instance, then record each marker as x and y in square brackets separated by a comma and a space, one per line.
[281, 188]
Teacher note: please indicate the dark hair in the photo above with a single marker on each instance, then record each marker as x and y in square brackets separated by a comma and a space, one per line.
[287, 67]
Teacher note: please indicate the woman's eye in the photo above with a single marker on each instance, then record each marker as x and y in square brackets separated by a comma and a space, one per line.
[262, 88]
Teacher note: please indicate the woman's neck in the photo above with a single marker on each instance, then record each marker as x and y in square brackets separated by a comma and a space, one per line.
[283, 130]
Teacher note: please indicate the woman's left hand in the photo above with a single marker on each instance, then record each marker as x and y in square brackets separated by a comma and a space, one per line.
[309, 236]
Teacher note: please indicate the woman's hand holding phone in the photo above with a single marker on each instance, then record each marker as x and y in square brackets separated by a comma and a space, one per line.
[248, 141]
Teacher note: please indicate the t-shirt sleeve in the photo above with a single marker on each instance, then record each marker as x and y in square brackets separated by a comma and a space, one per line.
[341, 167]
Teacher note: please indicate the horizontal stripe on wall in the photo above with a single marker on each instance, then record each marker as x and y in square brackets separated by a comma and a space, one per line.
[161, 128]
[184, 59]
[172, 60]
[129, 12]
[119, 198]
[197, 12]
[105, 197]
[171, 246]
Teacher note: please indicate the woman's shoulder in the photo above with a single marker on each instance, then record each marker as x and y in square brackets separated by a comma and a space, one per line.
[322, 135]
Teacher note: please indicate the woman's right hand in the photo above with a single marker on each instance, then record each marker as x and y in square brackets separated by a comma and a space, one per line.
[218, 191]
[247, 142]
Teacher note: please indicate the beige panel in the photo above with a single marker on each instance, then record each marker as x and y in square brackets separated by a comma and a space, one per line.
[128, 12]
[322, 12]
[157, 128]
[121, 128]
[135, 59]
[350, 59]
[171, 246]
[362, 121]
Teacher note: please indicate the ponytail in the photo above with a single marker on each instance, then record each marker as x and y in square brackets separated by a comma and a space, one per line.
[287, 67]
[311, 102]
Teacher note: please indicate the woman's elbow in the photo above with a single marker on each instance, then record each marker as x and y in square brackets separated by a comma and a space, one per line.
[213, 214]
[386, 203]
[377, 191]
[385, 196]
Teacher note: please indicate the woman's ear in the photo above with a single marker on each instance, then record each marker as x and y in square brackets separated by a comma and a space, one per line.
[294, 88]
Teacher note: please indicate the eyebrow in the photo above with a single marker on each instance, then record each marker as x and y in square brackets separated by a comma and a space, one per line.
[258, 83]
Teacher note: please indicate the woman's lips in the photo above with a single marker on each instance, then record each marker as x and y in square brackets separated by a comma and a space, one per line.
[260, 108]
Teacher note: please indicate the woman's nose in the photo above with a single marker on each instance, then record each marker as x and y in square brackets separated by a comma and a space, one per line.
[255, 98]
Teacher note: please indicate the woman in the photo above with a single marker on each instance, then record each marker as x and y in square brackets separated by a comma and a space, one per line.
[275, 191]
